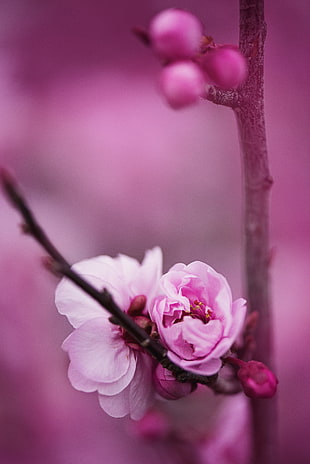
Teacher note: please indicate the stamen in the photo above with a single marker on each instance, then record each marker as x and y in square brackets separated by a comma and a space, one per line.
[199, 310]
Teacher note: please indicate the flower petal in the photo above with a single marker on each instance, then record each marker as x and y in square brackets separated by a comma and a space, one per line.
[203, 337]
[74, 303]
[137, 397]
[148, 274]
[197, 366]
[79, 382]
[141, 395]
[214, 282]
[110, 389]
[116, 406]
[98, 352]
[238, 312]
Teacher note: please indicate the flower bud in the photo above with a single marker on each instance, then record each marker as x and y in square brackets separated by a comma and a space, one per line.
[168, 387]
[182, 83]
[225, 66]
[175, 34]
[137, 305]
[257, 380]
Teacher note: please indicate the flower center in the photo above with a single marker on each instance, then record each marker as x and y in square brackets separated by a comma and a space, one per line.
[135, 311]
[199, 310]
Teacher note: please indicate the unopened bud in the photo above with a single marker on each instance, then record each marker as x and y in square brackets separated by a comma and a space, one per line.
[137, 305]
[257, 380]
[182, 83]
[168, 387]
[175, 34]
[225, 66]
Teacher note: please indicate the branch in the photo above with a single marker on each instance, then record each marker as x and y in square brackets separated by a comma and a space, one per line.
[230, 98]
[59, 265]
[257, 183]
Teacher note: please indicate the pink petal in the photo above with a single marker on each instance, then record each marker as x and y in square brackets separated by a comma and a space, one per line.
[203, 337]
[80, 382]
[137, 397]
[148, 274]
[222, 347]
[103, 267]
[213, 281]
[76, 304]
[110, 389]
[141, 394]
[127, 268]
[98, 352]
[84, 384]
[238, 313]
[202, 367]
[116, 406]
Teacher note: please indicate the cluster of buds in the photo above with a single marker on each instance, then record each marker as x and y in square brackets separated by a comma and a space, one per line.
[191, 60]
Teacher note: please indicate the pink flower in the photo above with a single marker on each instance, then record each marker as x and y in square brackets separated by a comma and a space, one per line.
[196, 317]
[101, 359]
[182, 83]
[175, 34]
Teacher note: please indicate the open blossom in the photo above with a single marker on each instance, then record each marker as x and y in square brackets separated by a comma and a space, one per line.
[101, 357]
[196, 317]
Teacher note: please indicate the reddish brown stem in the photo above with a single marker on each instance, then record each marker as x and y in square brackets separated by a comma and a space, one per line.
[248, 105]
[257, 183]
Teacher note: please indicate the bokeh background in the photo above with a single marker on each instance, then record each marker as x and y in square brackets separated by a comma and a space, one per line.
[109, 168]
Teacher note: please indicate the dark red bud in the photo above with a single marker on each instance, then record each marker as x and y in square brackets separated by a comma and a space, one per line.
[137, 305]
[257, 380]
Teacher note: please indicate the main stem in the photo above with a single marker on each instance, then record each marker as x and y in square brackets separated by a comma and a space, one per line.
[257, 183]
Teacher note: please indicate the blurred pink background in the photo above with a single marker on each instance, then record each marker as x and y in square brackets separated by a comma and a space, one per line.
[109, 168]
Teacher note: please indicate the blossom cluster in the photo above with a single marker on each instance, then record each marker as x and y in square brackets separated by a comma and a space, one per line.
[191, 60]
[189, 308]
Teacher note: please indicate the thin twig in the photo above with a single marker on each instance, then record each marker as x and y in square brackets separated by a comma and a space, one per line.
[230, 98]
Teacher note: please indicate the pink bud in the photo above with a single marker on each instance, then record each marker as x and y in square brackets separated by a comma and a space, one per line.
[175, 34]
[257, 380]
[168, 387]
[182, 83]
[225, 66]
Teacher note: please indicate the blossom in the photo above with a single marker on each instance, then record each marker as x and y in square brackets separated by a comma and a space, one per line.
[101, 357]
[196, 317]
